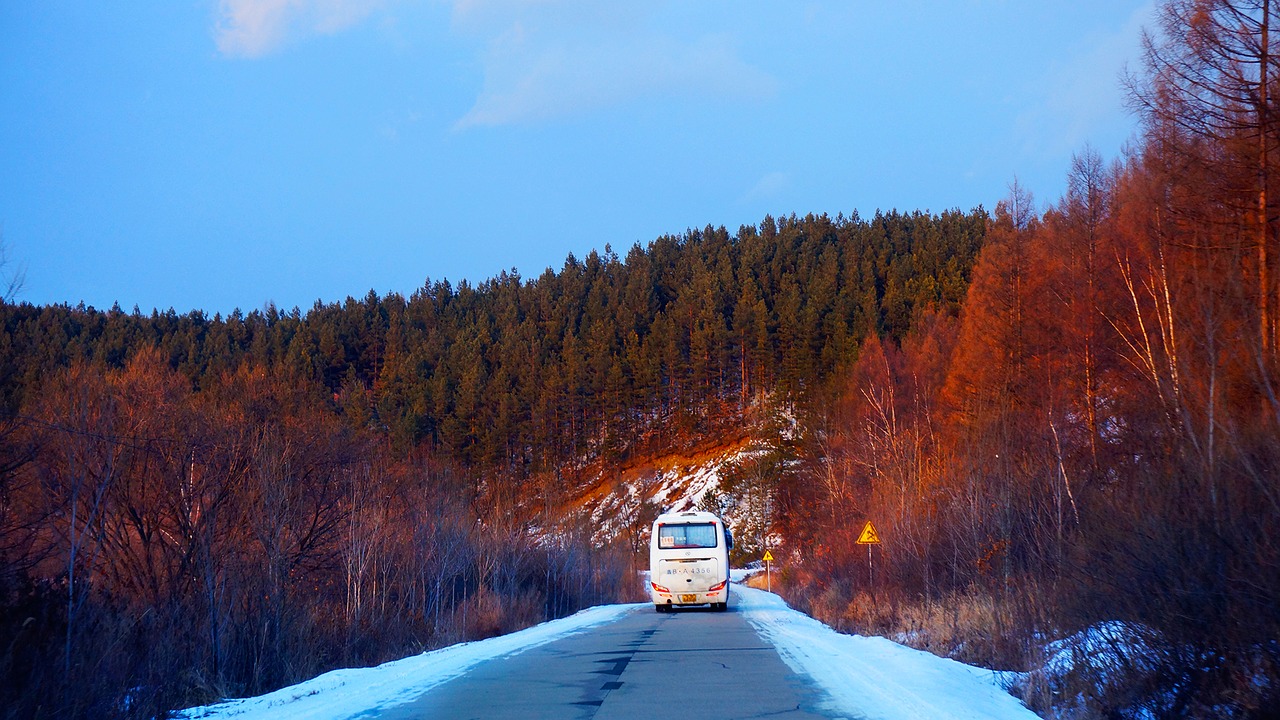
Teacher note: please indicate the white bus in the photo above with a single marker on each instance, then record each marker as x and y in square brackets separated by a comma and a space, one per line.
[689, 561]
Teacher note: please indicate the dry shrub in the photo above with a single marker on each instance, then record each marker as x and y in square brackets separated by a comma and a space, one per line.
[960, 627]
[522, 611]
[973, 627]
[851, 611]
[483, 615]
[490, 614]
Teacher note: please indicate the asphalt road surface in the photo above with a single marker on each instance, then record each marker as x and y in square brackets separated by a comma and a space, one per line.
[686, 664]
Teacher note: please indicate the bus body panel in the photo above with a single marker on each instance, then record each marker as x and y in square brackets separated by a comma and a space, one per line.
[689, 560]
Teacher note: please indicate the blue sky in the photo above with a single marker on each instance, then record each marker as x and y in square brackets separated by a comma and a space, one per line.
[206, 154]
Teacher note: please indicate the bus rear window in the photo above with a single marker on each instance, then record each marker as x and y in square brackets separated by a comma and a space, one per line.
[700, 535]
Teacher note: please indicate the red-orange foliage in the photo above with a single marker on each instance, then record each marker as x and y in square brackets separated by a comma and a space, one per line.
[175, 547]
[1104, 446]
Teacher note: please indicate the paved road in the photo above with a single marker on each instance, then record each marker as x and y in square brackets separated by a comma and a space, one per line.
[686, 664]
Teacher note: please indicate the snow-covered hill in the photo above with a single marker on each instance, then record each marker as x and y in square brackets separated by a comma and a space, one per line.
[732, 475]
[671, 484]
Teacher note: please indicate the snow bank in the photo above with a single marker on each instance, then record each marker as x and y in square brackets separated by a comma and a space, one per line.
[876, 678]
[346, 693]
[1111, 649]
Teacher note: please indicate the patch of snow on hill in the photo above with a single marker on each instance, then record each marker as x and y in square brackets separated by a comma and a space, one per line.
[683, 486]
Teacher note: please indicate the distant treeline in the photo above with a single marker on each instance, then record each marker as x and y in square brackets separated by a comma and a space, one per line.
[525, 374]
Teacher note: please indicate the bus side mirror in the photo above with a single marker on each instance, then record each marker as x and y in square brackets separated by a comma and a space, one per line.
[728, 539]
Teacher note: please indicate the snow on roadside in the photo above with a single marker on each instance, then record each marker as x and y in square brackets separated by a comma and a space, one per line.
[346, 693]
[866, 677]
[874, 677]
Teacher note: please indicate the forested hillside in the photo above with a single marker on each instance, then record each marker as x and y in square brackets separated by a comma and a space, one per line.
[279, 493]
[1080, 477]
[526, 374]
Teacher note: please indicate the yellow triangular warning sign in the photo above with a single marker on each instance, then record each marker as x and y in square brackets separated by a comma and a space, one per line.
[768, 556]
[869, 535]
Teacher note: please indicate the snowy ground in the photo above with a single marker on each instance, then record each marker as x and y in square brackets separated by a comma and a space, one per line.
[342, 694]
[867, 677]
[875, 678]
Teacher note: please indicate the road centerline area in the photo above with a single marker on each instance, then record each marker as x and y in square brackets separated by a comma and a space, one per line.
[643, 665]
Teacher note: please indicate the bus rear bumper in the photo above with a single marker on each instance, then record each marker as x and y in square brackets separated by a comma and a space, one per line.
[690, 599]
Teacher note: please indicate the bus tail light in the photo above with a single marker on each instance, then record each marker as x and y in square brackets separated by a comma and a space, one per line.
[718, 586]
[659, 588]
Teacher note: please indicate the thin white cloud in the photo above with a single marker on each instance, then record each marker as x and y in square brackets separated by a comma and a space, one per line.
[253, 28]
[1083, 94]
[540, 59]
[545, 60]
[768, 187]
[526, 81]
[484, 15]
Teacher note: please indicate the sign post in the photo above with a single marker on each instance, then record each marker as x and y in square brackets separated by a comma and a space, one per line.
[768, 577]
[869, 537]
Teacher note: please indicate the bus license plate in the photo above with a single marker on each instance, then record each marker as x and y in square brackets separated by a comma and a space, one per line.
[688, 598]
